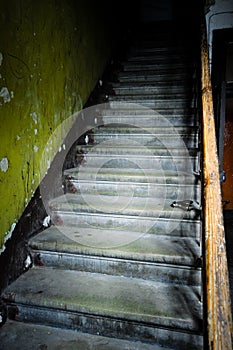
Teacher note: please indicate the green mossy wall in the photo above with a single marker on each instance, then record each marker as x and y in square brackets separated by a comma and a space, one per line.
[52, 54]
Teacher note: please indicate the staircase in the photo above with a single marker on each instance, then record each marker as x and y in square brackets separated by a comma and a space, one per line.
[122, 259]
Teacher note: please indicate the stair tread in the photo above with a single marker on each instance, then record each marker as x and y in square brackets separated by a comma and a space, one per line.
[111, 296]
[35, 336]
[138, 246]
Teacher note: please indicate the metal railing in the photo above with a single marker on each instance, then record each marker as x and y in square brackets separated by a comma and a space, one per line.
[217, 291]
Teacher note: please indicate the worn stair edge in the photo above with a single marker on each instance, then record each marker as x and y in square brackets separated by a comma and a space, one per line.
[115, 245]
[111, 298]
[18, 335]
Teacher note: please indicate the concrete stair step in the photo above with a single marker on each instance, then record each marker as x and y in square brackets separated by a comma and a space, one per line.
[173, 222]
[133, 202]
[163, 84]
[121, 108]
[131, 130]
[155, 75]
[160, 55]
[137, 51]
[181, 163]
[168, 66]
[35, 336]
[155, 89]
[141, 189]
[109, 305]
[131, 254]
[140, 120]
[106, 148]
[153, 103]
[153, 176]
[162, 59]
[163, 40]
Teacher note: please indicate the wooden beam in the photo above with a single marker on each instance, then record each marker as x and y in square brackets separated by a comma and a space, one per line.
[219, 318]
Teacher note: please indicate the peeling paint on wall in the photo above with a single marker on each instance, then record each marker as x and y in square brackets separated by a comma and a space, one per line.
[34, 117]
[5, 94]
[7, 236]
[4, 164]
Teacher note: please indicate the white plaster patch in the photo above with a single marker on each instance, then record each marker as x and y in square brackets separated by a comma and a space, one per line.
[33, 181]
[1, 319]
[4, 164]
[35, 131]
[46, 221]
[34, 117]
[4, 93]
[8, 236]
[59, 149]
[1, 58]
[64, 146]
[36, 148]
[28, 262]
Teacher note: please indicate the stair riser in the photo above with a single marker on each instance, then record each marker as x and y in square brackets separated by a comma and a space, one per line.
[105, 326]
[124, 267]
[175, 226]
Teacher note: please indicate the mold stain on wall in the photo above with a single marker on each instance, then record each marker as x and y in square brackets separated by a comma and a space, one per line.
[52, 54]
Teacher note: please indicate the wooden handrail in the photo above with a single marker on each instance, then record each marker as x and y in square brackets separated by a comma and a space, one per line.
[218, 304]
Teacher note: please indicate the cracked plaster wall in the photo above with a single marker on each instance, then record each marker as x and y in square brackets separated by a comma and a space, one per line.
[51, 54]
